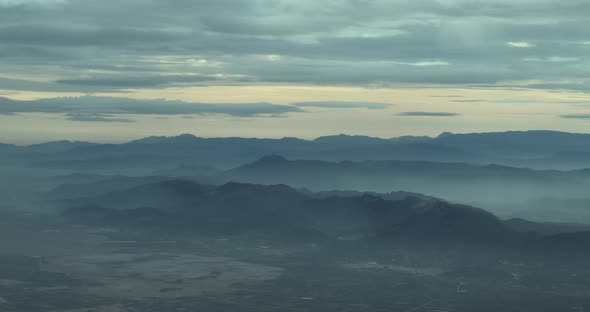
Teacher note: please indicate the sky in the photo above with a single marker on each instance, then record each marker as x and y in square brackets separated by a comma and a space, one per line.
[111, 71]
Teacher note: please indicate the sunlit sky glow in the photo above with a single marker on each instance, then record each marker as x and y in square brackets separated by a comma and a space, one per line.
[274, 68]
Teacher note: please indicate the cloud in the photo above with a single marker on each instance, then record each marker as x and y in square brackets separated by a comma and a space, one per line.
[89, 107]
[520, 44]
[535, 101]
[580, 87]
[104, 36]
[113, 45]
[429, 114]
[553, 59]
[576, 116]
[343, 104]
[33, 3]
[95, 118]
[137, 82]
[518, 101]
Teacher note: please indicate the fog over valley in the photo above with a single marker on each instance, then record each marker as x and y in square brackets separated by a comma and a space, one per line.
[294, 155]
[209, 219]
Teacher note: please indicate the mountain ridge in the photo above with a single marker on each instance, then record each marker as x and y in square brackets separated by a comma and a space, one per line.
[535, 148]
[243, 207]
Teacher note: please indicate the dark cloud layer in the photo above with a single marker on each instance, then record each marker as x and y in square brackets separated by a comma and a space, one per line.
[46, 35]
[95, 118]
[368, 105]
[135, 82]
[582, 87]
[95, 46]
[429, 114]
[576, 116]
[91, 107]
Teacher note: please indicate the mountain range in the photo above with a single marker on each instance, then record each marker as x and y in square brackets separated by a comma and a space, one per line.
[234, 208]
[186, 207]
[511, 174]
[538, 149]
[508, 191]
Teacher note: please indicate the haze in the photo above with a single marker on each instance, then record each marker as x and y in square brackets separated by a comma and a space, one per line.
[294, 155]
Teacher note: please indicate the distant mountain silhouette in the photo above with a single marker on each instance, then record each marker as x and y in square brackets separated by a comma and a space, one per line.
[539, 149]
[517, 143]
[7, 147]
[545, 228]
[455, 181]
[394, 195]
[58, 146]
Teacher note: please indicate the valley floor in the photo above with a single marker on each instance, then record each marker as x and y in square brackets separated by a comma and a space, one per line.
[52, 266]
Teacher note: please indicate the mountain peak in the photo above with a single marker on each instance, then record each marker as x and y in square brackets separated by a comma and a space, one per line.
[445, 134]
[349, 139]
[185, 136]
[181, 138]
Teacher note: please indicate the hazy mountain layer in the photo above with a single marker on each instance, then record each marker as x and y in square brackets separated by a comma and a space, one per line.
[539, 149]
[236, 207]
[509, 191]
